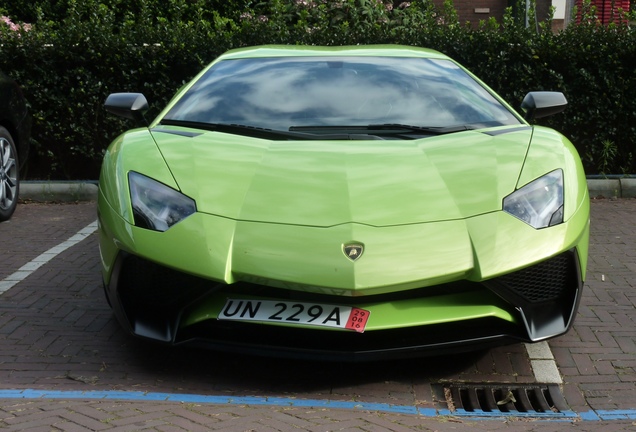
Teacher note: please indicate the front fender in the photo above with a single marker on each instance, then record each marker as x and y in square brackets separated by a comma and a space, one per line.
[133, 151]
[549, 150]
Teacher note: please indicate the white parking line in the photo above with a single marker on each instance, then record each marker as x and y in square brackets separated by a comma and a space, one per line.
[543, 363]
[24, 271]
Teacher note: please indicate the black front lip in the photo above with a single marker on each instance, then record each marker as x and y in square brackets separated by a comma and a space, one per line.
[309, 344]
[264, 350]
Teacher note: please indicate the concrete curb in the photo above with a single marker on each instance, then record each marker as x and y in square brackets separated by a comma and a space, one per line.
[612, 187]
[44, 191]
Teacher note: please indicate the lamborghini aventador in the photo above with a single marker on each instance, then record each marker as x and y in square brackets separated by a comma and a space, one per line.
[344, 203]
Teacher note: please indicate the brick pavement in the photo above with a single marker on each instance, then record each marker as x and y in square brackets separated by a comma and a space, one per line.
[57, 333]
[72, 415]
[598, 357]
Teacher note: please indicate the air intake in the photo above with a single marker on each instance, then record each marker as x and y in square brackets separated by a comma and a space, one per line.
[504, 400]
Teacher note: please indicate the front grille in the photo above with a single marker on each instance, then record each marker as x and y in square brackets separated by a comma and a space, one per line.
[546, 295]
[549, 280]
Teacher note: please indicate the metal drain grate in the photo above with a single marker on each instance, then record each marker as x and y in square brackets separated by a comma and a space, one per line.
[543, 400]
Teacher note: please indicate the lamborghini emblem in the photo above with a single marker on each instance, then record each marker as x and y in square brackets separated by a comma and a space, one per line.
[353, 251]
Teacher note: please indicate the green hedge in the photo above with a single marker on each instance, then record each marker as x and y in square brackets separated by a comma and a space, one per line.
[77, 52]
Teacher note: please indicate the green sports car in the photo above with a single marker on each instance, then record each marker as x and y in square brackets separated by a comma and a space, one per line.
[342, 203]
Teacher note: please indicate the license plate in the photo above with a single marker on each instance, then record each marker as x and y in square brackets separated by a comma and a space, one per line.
[273, 311]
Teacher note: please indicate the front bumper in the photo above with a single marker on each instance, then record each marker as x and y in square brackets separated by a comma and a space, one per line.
[165, 305]
[496, 282]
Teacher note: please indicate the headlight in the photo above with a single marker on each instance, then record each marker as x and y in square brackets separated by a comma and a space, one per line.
[539, 203]
[155, 205]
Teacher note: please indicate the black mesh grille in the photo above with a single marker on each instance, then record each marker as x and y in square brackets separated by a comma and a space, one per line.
[546, 281]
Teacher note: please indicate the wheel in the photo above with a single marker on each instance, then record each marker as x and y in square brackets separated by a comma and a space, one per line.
[9, 175]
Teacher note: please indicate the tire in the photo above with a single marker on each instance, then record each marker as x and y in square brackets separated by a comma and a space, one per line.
[9, 175]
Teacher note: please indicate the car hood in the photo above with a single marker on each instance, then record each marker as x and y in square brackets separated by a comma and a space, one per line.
[326, 183]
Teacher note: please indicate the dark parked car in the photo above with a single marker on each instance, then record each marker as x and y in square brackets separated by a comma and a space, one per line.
[15, 131]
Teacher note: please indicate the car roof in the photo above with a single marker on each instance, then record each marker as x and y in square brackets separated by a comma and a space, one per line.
[265, 51]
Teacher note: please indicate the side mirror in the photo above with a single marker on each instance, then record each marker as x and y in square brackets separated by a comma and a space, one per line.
[542, 104]
[128, 105]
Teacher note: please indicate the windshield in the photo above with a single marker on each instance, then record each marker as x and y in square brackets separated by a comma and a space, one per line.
[291, 93]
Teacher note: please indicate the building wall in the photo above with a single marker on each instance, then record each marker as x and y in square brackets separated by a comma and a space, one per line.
[475, 11]
[609, 11]
[482, 10]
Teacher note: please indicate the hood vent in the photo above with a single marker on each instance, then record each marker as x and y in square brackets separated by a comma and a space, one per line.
[509, 400]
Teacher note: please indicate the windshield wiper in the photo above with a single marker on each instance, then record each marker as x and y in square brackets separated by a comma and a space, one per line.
[383, 129]
[436, 130]
[264, 133]
[239, 129]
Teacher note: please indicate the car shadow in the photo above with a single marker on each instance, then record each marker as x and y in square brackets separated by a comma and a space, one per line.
[247, 374]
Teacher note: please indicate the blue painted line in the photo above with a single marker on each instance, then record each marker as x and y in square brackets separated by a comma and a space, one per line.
[137, 396]
[589, 416]
[617, 414]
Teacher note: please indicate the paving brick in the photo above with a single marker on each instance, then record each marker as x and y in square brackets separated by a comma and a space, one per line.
[183, 424]
[173, 428]
[32, 420]
[193, 415]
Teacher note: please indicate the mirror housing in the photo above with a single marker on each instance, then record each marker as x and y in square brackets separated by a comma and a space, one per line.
[128, 105]
[542, 104]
